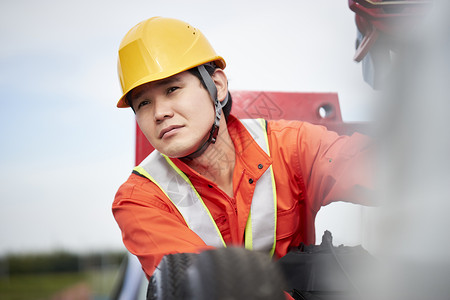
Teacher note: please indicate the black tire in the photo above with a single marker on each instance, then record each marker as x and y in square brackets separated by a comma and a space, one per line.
[169, 281]
[235, 273]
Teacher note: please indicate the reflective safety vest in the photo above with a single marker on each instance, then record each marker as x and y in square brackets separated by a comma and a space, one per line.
[260, 230]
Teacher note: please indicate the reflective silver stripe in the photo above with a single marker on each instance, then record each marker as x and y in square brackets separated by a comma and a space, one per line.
[180, 191]
[261, 225]
[263, 209]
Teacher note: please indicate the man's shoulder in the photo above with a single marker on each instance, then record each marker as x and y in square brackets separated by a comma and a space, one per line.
[134, 182]
[296, 127]
[141, 191]
[282, 123]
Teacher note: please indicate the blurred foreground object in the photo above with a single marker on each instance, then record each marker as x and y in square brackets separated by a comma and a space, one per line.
[410, 231]
[326, 272]
[311, 272]
[382, 27]
[224, 273]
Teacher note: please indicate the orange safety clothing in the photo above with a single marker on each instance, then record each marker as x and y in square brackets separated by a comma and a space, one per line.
[260, 231]
[312, 167]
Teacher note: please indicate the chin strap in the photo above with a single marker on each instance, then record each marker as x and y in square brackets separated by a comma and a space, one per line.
[211, 87]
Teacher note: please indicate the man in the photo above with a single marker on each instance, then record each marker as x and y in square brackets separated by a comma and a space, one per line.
[214, 180]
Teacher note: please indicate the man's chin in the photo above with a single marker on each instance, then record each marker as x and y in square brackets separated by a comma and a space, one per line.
[178, 153]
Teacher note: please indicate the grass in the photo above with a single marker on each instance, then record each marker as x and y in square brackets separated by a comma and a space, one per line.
[44, 286]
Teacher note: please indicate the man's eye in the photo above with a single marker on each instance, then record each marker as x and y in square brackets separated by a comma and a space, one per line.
[143, 103]
[172, 89]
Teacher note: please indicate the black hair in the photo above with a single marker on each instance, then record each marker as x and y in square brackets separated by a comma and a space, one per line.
[210, 69]
[128, 102]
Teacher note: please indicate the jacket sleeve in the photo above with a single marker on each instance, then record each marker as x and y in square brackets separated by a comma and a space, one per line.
[335, 168]
[139, 208]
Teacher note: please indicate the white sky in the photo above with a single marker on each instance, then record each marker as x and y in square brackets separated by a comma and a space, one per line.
[66, 148]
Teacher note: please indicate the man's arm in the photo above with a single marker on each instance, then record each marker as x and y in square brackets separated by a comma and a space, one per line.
[150, 224]
[336, 168]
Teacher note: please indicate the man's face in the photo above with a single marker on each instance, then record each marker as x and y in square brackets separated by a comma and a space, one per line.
[175, 114]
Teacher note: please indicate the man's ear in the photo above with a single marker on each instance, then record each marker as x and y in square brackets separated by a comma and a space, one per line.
[221, 82]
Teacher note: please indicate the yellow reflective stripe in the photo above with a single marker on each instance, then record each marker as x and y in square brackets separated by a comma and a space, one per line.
[263, 125]
[249, 233]
[170, 162]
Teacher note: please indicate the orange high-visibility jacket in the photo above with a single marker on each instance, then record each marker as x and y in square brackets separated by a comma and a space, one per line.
[312, 167]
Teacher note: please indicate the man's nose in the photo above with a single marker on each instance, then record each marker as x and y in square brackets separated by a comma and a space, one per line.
[163, 110]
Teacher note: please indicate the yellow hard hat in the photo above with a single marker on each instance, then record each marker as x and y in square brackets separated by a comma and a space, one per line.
[158, 48]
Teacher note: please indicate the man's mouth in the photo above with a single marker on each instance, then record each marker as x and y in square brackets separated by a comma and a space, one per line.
[168, 130]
